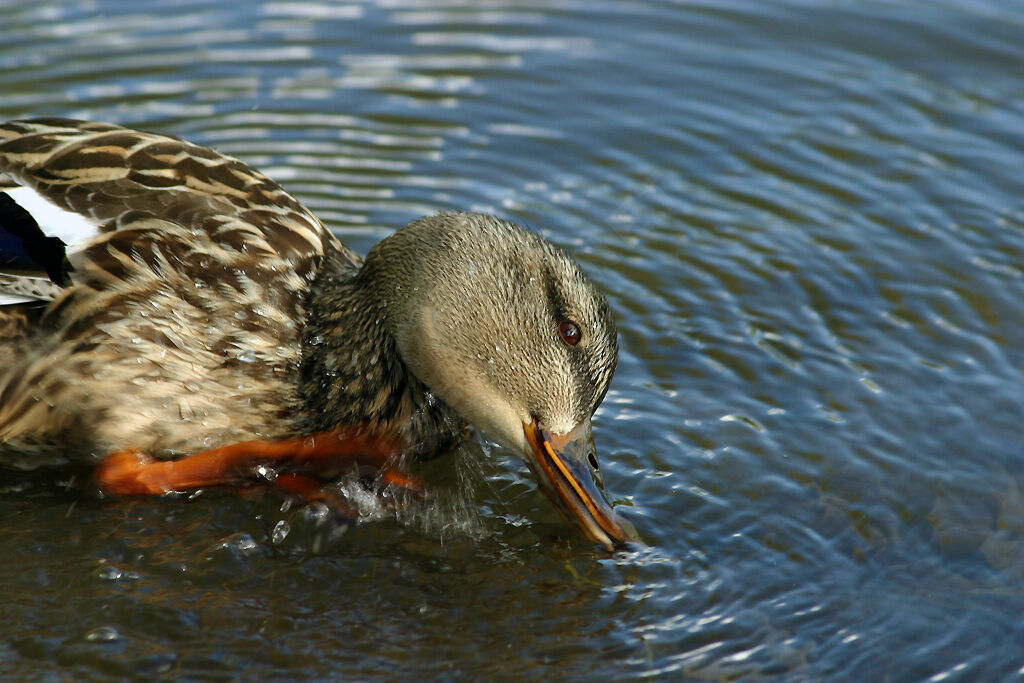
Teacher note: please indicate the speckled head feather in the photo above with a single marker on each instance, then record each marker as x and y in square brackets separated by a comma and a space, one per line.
[475, 303]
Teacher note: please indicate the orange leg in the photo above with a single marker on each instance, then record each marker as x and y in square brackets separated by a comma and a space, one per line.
[326, 455]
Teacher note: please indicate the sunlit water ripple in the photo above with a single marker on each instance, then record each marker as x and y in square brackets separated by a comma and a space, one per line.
[808, 218]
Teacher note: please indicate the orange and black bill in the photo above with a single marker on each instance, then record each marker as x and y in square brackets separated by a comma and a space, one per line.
[566, 469]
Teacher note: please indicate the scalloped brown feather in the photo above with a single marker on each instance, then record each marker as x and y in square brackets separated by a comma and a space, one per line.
[182, 328]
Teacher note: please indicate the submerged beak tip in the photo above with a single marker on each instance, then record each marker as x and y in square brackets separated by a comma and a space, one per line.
[563, 467]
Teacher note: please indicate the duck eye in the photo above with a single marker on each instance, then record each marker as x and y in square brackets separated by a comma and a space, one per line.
[569, 332]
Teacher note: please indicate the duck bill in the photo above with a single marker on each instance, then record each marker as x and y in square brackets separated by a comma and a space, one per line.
[564, 473]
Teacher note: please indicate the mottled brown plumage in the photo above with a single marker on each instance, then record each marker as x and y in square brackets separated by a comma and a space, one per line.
[212, 309]
[183, 327]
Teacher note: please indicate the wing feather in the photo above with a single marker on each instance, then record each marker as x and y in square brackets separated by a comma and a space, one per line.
[197, 275]
[104, 172]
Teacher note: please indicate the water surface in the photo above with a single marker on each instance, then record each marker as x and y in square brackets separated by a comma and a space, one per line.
[809, 220]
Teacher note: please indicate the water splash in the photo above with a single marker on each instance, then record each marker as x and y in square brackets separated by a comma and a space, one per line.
[451, 510]
[446, 509]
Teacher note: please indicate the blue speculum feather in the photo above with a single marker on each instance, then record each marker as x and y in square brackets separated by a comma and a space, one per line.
[23, 242]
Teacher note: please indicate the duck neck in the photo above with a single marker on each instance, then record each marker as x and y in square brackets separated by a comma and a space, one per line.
[352, 373]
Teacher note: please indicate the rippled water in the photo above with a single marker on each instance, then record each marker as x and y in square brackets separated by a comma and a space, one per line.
[809, 218]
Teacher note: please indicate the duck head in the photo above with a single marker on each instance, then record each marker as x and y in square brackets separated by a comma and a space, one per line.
[506, 329]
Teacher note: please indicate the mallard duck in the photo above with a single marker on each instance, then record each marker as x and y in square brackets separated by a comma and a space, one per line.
[178, 319]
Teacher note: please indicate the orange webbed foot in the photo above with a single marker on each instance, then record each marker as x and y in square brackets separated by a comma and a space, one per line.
[127, 473]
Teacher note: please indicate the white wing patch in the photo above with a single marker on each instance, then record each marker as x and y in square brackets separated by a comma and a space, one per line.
[73, 229]
[11, 299]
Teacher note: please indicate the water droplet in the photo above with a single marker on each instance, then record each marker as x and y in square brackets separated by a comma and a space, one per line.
[280, 532]
[115, 574]
[267, 473]
[241, 315]
[109, 573]
[316, 513]
[316, 340]
[241, 543]
[103, 634]
[247, 356]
